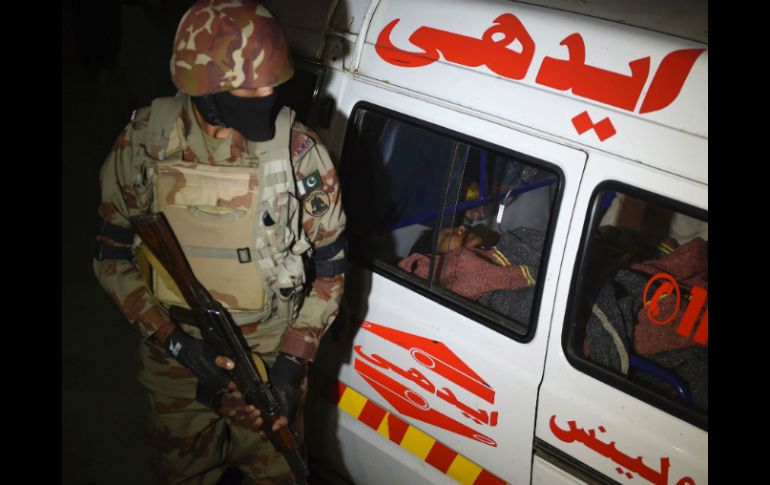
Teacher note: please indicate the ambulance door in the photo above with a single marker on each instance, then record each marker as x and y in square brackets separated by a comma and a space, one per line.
[456, 228]
[625, 393]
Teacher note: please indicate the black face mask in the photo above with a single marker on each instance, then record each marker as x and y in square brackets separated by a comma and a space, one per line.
[254, 118]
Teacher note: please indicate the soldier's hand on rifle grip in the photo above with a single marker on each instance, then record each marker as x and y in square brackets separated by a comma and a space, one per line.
[200, 358]
[241, 413]
[285, 377]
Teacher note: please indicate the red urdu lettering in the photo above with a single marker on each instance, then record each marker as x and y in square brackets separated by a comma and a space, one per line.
[436, 356]
[410, 403]
[399, 57]
[669, 79]
[590, 82]
[612, 88]
[464, 50]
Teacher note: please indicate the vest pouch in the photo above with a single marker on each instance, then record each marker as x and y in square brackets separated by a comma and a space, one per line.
[291, 272]
[287, 308]
[283, 305]
[275, 219]
[213, 212]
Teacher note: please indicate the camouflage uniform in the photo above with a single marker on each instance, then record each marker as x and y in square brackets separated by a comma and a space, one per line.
[188, 435]
[191, 442]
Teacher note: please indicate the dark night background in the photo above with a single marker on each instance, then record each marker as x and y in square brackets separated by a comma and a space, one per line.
[114, 59]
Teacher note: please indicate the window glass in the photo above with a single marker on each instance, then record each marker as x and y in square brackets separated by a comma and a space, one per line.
[641, 312]
[462, 221]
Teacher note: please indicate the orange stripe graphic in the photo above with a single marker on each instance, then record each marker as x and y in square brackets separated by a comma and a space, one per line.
[408, 437]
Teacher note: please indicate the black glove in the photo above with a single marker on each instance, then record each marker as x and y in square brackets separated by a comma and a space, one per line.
[285, 377]
[199, 357]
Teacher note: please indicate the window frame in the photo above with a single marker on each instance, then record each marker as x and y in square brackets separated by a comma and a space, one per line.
[572, 348]
[476, 312]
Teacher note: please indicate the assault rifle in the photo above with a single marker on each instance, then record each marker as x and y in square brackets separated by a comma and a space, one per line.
[218, 329]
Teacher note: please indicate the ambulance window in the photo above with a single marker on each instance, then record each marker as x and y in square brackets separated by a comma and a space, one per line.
[639, 314]
[463, 223]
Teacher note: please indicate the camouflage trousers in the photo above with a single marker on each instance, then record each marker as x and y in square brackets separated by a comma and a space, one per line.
[192, 444]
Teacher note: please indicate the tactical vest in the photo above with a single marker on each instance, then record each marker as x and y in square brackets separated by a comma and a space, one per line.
[239, 227]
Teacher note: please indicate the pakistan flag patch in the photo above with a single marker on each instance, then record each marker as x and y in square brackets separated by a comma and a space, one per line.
[309, 183]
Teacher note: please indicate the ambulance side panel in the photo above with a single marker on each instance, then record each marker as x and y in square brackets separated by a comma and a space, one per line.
[637, 428]
[512, 369]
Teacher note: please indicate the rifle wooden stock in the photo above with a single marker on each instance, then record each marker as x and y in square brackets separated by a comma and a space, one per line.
[219, 329]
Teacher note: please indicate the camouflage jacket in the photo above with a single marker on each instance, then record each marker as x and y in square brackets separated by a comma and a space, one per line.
[121, 277]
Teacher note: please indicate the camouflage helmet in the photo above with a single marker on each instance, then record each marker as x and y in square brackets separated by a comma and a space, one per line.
[221, 45]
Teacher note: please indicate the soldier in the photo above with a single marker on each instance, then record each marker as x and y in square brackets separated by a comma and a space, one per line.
[249, 192]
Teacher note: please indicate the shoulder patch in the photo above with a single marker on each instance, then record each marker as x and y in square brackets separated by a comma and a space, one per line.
[302, 140]
[317, 203]
[300, 144]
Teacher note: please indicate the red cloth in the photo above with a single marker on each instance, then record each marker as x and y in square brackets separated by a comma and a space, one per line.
[650, 338]
[688, 263]
[469, 272]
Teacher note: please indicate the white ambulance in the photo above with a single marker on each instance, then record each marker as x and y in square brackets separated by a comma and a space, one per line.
[527, 195]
